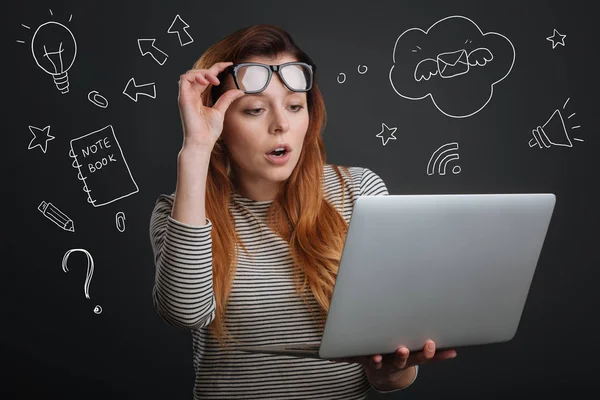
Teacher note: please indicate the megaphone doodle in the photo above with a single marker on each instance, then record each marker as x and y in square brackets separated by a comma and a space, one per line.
[554, 132]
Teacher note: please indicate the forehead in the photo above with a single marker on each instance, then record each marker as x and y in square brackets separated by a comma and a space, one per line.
[280, 59]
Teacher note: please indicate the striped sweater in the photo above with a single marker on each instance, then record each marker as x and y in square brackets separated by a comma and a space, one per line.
[263, 307]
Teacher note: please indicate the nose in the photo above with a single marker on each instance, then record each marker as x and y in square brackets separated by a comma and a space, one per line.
[279, 122]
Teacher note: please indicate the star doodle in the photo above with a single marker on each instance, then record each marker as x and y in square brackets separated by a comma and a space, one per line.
[554, 39]
[41, 137]
[383, 134]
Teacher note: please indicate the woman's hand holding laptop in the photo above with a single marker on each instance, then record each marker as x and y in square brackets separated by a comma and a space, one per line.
[393, 371]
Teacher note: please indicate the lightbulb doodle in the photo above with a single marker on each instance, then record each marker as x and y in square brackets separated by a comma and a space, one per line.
[453, 62]
[97, 99]
[89, 274]
[54, 50]
[556, 39]
[554, 131]
[133, 90]
[147, 47]
[386, 133]
[438, 162]
[41, 137]
[179, 27]
[51, 212]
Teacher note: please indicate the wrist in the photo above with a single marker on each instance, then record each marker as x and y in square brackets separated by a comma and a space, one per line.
[189, 153]
[404, 380]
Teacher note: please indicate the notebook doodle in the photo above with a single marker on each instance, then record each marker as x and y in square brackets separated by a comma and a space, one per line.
[452, 60]
[102, 168]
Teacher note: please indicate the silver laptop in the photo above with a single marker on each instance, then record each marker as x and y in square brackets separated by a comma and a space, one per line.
[454, 268]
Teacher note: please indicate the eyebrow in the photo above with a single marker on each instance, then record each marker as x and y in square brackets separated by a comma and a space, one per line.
[262, 94]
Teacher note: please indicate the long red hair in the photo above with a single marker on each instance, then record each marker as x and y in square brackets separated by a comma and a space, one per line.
[314, 228]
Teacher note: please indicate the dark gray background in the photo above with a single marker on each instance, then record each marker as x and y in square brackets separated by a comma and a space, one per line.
[55, 347]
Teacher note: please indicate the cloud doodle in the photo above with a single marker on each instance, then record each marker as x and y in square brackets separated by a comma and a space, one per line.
[453, 62]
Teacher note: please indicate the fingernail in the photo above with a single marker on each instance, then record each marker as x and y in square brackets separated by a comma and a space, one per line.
[430, 346]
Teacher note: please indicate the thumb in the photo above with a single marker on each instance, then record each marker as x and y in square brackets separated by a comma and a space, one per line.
[226, 99]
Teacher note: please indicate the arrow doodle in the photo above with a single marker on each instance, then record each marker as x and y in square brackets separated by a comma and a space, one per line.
[179, 27]
[147, 46]
[147, 89]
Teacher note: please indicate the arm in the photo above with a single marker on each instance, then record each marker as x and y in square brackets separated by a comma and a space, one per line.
[180, 235]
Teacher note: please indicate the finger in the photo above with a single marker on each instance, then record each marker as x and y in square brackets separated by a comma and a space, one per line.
[225, 100]
[376, 361]
[444, 355]
[217, 68]
[424, 355]
[401, 357]
[202, 76]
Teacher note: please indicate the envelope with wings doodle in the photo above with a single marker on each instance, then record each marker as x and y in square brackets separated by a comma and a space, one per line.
[453, 63]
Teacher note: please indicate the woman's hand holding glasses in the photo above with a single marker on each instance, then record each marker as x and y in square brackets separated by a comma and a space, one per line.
[203, 125]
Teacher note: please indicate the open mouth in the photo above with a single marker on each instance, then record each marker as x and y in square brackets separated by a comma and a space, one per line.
[278, 153]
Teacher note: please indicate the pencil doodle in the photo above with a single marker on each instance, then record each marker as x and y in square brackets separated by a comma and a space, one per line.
[554, 132]
[51, 212]
[54, 49]
[452, 59]
[179, 27]
[441, 157]
[386, 133]
[41, 137]
[147, 47]
[555, 39]
[97, 99]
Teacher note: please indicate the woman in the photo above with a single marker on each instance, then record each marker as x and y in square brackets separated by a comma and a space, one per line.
[252, 175]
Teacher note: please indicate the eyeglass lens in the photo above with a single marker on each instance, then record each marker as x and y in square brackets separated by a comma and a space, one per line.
[254, 77]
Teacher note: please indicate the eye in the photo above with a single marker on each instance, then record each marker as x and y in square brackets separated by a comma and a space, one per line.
[297, 107]
[253, 111]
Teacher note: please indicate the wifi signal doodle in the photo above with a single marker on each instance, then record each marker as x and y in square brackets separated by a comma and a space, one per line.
[554, 132]
[441, 157]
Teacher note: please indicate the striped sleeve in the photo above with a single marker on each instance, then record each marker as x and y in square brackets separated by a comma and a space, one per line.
[183, 287]
[371, 184]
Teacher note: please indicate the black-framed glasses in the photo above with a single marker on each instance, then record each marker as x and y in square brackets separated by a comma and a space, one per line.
[254, 77]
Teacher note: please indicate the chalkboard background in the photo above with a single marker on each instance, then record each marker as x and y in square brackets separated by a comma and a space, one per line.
[58, 344]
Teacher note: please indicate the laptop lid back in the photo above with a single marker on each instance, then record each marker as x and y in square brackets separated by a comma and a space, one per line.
[453, 268]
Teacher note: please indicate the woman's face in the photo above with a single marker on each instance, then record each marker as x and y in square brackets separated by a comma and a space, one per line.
[255, 124]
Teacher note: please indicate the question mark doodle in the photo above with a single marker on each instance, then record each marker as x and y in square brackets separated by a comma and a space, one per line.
[88, 278]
